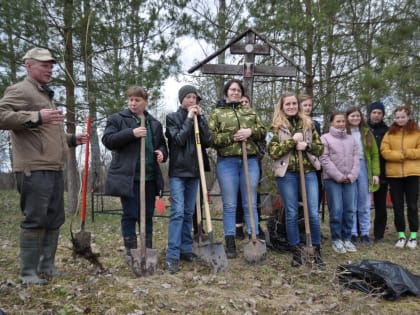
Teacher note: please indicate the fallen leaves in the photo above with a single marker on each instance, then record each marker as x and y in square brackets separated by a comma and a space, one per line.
[272, 287]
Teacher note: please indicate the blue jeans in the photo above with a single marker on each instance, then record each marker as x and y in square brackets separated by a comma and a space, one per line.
[231, 177]
[340, 198]
[362, 202]
[289, 189]
[131, 210]
[183, 195]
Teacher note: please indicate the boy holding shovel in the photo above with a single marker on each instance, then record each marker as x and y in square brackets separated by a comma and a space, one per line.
[184, 174]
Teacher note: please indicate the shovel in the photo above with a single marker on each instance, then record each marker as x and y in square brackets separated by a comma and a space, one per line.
[210, 252]
[308, 252]
[81, 240]
[145, 259]
[199, 238]
[255, 250]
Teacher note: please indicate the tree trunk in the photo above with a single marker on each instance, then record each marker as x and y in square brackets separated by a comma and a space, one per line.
[72, 175]
[95, 171]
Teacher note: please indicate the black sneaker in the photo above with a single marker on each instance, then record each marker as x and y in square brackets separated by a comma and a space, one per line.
[261, 235]
[318, 258]
[378, 240]
[172, 265]
[354, 240]
[365, 240]
[297, 257]
[190, 257]
[230, 246]
[239, 234]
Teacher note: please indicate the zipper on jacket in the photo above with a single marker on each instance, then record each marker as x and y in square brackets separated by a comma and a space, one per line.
[237, 118]
[402, 149]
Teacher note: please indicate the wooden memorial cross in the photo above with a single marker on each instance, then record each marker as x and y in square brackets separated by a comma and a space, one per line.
[249, 48]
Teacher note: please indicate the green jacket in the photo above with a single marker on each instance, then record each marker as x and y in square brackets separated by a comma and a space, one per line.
[371, 156]
[226, 120]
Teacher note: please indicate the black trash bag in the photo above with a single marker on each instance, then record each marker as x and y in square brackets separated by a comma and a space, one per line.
[379, 278]
[276, 230]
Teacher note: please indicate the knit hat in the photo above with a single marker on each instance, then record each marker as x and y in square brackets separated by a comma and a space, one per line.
[185, 90]
[377, 105]
[39, 54]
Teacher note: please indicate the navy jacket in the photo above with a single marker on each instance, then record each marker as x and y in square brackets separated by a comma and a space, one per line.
[118, 137]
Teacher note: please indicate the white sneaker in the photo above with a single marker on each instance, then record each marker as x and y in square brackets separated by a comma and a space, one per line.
[338, 246]
[412, 243]
[349, 246]
[400, 243]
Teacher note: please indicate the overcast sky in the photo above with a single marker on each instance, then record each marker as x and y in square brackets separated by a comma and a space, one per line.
[191, 53]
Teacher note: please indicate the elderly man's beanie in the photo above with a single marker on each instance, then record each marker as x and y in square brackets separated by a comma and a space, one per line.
[185, 90]
[377, 105]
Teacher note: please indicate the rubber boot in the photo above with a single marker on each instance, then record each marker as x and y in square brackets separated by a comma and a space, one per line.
[318, 259]
[130, 242]
[297, 256]
[230, 246]
[46, 265]
[30, 253]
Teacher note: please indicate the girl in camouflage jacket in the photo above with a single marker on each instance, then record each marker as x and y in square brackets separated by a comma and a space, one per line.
[293, 131]
[230, 124]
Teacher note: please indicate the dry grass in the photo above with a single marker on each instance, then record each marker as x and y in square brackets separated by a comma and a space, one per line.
[272, 287]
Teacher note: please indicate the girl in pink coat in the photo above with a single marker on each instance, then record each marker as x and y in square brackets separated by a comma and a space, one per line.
[340, 169]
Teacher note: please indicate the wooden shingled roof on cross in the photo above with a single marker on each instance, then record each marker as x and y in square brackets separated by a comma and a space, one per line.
[249, 48]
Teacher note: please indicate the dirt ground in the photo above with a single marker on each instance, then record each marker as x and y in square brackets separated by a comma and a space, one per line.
[270, 287]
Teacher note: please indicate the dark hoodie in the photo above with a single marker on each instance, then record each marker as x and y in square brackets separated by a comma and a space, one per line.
[379, 131]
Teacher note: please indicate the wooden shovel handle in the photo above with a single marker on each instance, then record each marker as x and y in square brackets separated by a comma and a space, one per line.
[142, 210]
[248, 191]
[203, 178]
[304, 199]
[199, 219]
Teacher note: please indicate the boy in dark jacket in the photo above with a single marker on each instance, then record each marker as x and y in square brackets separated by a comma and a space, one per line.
[379, 128]
[184, 174]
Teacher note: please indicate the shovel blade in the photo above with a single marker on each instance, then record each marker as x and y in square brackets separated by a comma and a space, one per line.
[199, 240]
[144, 266]
[308, 255]
[81, 241]
[212, 254]
[255, 251]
